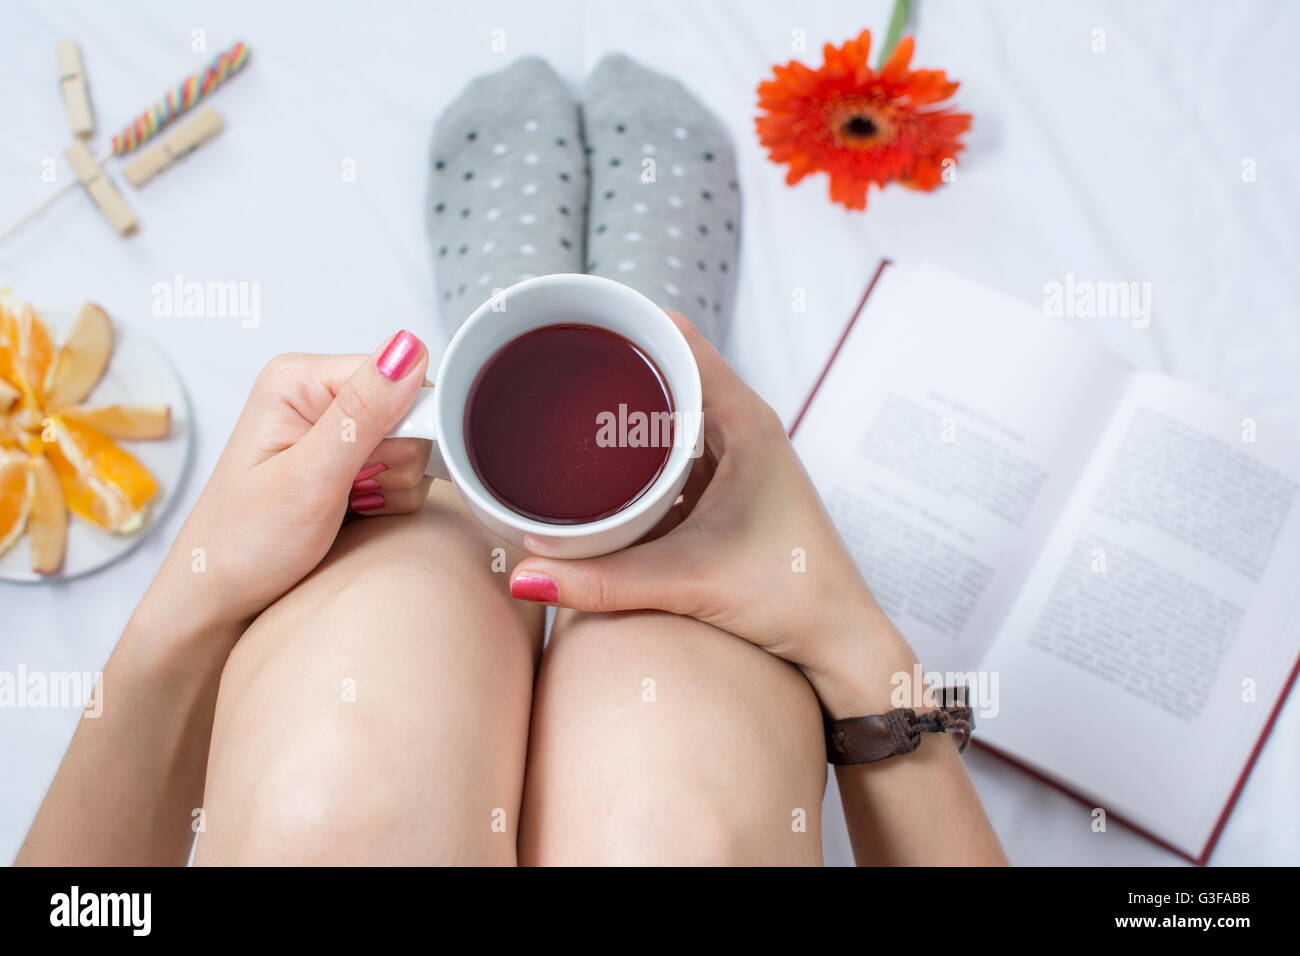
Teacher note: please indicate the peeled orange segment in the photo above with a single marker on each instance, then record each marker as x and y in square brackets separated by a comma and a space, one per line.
[82, 359]
[31, 350]
[13, 436]
[102, 483]
[136, 422]
[47, 521]
[15, 499]
[8, 361]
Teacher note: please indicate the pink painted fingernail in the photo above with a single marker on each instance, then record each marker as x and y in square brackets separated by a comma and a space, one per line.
[396, 360]
[369, 470]
[365, 484]
[367, 501]
[534, 587]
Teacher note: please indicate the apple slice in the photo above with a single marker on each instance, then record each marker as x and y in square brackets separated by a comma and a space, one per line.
[47, 522]
[83, 358]
[137, 422]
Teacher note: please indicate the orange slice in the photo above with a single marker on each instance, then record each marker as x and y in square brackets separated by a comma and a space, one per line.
[102, 483]
[47, 521]
[32, 354]
[83, 358]
[10, 391]
[33, 444]
[137, 422]
[15, 499]
[12, 435]
[8, 364]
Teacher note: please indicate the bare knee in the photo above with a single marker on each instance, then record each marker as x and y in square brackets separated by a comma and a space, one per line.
[333, 805]
[300, 811]
[662, 740]
[356, 753]
[352, 717]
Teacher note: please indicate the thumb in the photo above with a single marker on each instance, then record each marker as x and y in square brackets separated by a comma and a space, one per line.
[654, 576]
[365, 409]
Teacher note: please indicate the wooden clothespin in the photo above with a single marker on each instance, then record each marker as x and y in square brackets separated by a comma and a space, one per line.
[174, 146]
[101, 188]
[76, 95]
[178, 100]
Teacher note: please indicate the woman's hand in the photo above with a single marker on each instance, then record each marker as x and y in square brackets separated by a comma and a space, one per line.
[750, 549]
[308, 445]
[311, 428]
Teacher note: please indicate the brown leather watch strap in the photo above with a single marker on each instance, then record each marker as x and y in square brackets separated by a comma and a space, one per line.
[854, 740]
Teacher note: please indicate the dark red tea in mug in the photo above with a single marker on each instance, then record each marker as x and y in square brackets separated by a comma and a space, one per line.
[568, 424]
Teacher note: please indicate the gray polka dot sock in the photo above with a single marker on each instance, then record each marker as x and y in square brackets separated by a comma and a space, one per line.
[507, 188]
[665, 203]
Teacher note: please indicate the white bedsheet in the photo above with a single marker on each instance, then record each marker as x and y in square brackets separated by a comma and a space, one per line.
[1117, 165]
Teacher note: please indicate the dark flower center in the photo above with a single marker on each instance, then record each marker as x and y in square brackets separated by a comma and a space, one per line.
[858, 122]
[860, 127]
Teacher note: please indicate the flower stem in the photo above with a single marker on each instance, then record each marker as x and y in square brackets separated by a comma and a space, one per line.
[897, 21]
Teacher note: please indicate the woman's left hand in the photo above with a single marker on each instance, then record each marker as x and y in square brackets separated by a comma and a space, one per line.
[308, 447]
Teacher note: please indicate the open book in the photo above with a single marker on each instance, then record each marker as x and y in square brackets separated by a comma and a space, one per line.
[1115, 553]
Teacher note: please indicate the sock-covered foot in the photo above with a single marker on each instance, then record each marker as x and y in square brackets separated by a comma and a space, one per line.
[665, 202]
[507, 187]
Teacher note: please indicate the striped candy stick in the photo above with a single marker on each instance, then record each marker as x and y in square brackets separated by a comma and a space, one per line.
[180, 99]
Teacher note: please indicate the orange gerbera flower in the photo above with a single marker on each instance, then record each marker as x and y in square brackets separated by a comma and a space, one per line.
[858, 125]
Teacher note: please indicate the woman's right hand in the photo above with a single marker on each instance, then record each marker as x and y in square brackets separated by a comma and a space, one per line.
[308, 448]
[750, 549]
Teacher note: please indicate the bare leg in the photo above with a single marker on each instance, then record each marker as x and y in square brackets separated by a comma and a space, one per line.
[660, 740]
[378, 713]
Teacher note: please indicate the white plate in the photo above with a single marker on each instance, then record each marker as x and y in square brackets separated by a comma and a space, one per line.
[138, 374]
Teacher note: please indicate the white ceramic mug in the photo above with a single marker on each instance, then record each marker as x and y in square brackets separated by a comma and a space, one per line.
[439, 412]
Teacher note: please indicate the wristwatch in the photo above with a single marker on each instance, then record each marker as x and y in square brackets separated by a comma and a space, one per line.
[855, 740]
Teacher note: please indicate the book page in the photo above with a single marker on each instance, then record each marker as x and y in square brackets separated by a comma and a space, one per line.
[1160, 624]
[944, 440]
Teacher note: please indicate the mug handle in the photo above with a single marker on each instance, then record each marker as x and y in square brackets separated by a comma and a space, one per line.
[419, 423]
